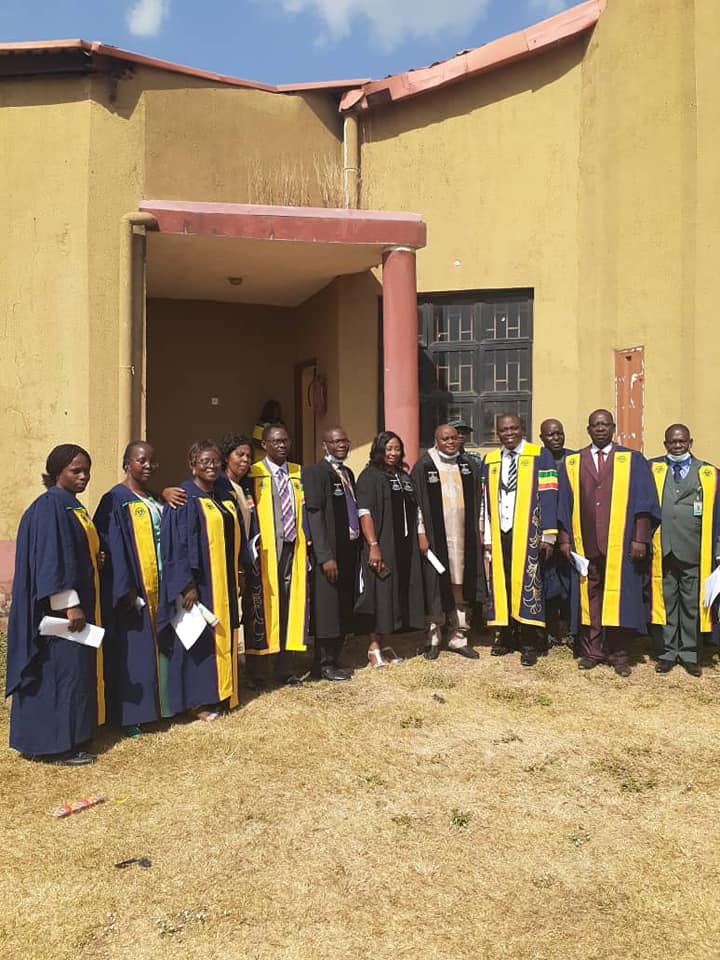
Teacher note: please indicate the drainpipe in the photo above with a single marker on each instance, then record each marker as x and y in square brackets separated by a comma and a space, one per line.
[351, 161]
[130, 333]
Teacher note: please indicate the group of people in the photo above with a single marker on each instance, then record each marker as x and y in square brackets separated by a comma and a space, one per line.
[550, 545]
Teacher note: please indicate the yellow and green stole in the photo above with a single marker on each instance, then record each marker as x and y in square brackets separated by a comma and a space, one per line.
[297, 609]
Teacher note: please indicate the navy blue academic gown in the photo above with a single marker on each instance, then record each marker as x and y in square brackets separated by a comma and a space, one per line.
[125, 523]
[200, 542]
[56, 684]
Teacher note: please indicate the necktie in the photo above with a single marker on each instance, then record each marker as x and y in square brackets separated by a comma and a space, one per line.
[286, 506]
[677, 472]
[512, 471]
[350, 502]
[601, 462]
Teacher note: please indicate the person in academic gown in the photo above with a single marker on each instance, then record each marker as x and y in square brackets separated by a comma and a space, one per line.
[556, 569]
[332, 512]
[391, 589]
[199, 546]
[281, 596]
[686, 549]
[57, 685]
[609, 510]
[449, 496]
[128, 519]
[520, 530]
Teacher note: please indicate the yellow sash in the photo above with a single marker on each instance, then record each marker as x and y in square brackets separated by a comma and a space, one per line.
[93, 541]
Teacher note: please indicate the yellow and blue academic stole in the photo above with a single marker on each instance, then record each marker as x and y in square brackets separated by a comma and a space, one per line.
[709, 485]
[262, 490]
[572, 469]
[144, 539]
[521, 528]
[93, 542]
[225, 636]
[620, 494]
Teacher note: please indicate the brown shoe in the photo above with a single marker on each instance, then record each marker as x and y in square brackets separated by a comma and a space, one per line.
[694, 669]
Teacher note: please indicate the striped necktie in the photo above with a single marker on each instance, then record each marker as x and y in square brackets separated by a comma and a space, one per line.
[512, 472]
[286, 506]
[350, 502]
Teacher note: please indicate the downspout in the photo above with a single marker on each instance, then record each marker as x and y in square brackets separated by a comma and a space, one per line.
[351, 161]
[130, 334]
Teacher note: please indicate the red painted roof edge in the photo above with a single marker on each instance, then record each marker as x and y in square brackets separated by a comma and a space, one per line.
[309, 224]
[40, 47]
[491, 56]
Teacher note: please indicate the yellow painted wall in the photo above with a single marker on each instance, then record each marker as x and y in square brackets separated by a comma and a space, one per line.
[492, 165]
[590, 174]
[44, 328]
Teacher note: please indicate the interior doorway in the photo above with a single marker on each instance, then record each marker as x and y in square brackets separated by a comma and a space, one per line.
[305, 439]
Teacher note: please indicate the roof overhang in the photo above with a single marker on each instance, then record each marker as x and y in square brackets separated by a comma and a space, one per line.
[539, 38]
[247, 253]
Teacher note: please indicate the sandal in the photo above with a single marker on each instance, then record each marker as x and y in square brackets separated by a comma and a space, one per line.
[375, 659]
[392, 657]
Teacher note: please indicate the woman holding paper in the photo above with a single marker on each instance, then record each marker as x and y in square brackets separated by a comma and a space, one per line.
[56, 684]
[128, 519]
[391, 590]
[200, 545]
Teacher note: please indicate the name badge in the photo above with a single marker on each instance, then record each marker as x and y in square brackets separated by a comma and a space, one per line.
[697, 508]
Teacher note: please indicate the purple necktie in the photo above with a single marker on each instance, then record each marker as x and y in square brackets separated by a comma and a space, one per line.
[286, 506]
[350, 502]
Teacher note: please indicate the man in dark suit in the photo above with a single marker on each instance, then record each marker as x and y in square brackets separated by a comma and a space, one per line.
[686, 547]
[608, 512]
[335, 532]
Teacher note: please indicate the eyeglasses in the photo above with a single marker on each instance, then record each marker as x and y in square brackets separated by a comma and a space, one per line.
[208, 463]
[278, 443]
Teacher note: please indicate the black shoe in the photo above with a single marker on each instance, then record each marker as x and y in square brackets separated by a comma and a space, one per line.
[528, 658]
[623, 670]
[586, 663]
[694, 669]
[432, 652]
[664, 666]
[335, 673]
[469, 652]
[79, 759]
[498, 650]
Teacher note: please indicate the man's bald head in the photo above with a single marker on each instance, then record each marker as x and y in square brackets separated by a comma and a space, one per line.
[336, 442]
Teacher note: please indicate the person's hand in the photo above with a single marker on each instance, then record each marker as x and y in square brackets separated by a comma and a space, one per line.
[547, 549]
[565, 550]
[330, 569]
[375, 560]
[130, 598]
[76, 619]
[101, 558]
[638, 551]
[423, 543]
[174, 497]
[190, 596]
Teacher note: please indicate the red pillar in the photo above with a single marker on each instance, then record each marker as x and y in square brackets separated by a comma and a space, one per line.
[400, 346]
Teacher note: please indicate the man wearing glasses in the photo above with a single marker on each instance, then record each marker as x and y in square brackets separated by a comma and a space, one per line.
[282, 552]
[335, 531]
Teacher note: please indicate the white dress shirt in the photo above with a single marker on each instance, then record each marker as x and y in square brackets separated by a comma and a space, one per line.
[506, 505]
[594, 451]
[275, 469]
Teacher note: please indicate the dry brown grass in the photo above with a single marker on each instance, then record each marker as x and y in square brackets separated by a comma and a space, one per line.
[451, 810]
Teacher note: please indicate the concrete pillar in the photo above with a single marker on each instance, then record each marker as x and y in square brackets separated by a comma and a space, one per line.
[400, 348]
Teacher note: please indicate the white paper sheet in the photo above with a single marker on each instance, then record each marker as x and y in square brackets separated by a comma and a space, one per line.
[434, 562]
[582, 564]
[712, 588]
[188, 624]
[89, 636]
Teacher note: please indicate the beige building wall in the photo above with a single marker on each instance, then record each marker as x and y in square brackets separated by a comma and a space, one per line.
[45, 340]
[492, 165]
